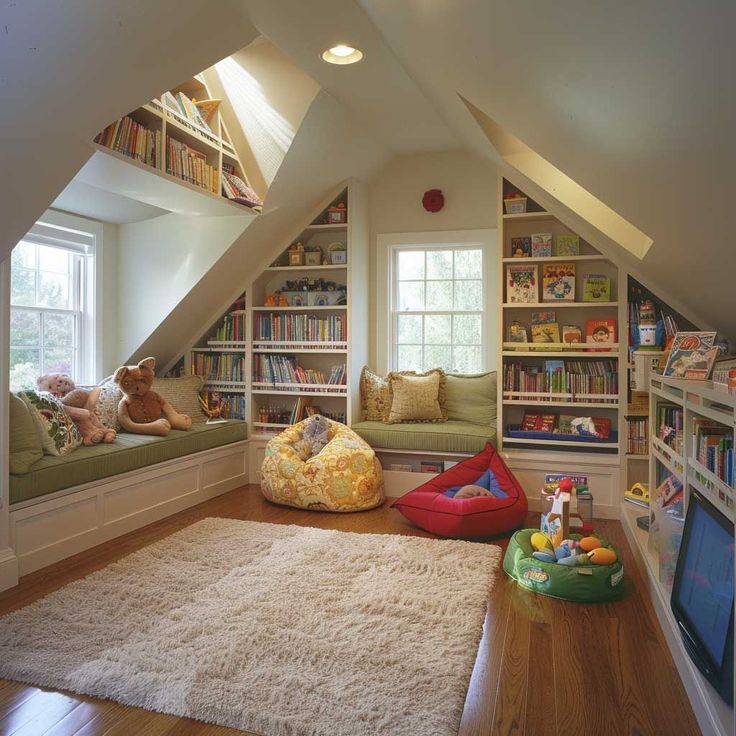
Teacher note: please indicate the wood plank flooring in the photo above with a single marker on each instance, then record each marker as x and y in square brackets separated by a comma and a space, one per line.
[544, 667]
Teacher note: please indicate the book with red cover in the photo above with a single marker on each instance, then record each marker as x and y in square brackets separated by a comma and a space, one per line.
[602, 332]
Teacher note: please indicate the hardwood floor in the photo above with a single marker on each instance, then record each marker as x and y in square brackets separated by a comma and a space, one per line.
[544, 666]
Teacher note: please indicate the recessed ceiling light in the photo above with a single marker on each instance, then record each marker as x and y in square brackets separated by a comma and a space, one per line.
[342, 54]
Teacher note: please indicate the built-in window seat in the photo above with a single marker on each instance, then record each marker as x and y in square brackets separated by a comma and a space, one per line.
[128, 452]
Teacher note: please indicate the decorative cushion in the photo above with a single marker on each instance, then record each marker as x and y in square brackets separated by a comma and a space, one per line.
[106, 408]
[417, 397]
[375, 396]
[183, 394]
[25, 443]
[445, 437]
[344, 476]
[471, 398]
[56, 430]
[467, 518]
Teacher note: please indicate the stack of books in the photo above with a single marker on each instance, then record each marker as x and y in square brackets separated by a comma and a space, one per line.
[132, 139]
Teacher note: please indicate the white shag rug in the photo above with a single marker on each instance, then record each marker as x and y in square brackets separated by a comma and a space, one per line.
[280, 630]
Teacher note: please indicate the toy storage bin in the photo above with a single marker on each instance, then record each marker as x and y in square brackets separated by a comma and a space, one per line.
[516, 206]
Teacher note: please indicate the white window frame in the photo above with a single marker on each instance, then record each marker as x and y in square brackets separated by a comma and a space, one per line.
[84, 237]
[387, 246]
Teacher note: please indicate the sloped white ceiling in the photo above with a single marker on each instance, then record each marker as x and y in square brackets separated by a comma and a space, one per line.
[635, 101]
[67, 69]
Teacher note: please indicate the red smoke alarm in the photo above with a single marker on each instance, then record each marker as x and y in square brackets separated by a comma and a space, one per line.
[433, 200]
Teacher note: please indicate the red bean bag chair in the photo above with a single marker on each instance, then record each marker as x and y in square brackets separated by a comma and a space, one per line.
[432, 507]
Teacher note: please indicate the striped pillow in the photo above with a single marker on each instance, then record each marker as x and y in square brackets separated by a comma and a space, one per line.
[182, 394]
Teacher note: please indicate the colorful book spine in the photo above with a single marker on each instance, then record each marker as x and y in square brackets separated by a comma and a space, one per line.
[225, 367]
[277, 369]
[299, 328]
[580, 381]
[132, 139]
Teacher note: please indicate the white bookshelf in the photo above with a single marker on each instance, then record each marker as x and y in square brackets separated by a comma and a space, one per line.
[695, 399]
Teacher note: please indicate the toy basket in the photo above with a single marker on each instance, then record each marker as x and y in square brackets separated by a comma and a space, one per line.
[582, 584]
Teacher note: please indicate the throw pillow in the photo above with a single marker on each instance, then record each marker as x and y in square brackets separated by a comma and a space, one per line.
[183, 394]
[416, 398]
[472, 398]
[56, 430]
[375, 396]
[25, 444]
[106, 408]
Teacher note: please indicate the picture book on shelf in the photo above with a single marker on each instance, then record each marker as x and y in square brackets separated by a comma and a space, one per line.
[568, 245]
[517, 332]
[538, 422]
[547, 332]
[558, 284]
[521, 284]
[691, 355]
[541, 245]
[521, 247]
[596, 287]
[543, 318]
[571, 334]
[601, 331]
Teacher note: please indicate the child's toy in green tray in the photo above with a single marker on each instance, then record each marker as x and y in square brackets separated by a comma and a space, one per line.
[581, 569]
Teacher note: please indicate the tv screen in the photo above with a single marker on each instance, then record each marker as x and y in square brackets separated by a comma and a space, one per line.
[703, 592]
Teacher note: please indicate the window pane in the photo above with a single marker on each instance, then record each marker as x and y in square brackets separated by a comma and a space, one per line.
[466, 329]
[23, 287]
[58, 330]
[439, 295]
[58, 360]
[409, 358]
[24, 255]
[438, 356]
[25, 368]
[411, 295]
[53, 259]
[410, 264]
[467, 359]
[439, 264]
[53, 290]
[469, 295]
[468, 264]
[410, 329]
[25, 328]
[438, 329]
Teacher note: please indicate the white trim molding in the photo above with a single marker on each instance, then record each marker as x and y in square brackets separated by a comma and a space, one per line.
[486, 239]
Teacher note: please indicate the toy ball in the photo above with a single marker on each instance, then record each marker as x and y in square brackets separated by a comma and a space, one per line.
[588, 544]
[602, 556]
[575, 560]
[544, 556]
[562, 551]
[540, 541]
[565, 485]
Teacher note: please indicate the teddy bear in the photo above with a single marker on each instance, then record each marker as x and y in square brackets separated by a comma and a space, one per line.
[79, 405]
[141, 410]
[315, 436]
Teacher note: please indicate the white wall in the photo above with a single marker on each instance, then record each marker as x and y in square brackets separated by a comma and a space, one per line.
[110, 306]
[395, 206]
[158, 263]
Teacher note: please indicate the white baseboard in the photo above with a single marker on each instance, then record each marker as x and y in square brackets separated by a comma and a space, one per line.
[8, 569]
[53, 528]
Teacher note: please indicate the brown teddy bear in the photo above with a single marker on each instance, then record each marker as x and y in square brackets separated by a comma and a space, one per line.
[141, 410]
[80, 406]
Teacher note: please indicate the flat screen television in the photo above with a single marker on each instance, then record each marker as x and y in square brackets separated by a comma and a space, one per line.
[703, 592]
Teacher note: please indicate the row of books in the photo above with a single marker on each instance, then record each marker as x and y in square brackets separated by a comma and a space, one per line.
[539, 245]
[567, 377]
[233, 406]
[558, 284]
[545, 329]
[670, 426]
[182, 105]
[638, 439]
[132, 139]
[219, 366]
[302, 409]
[190, 165]
[232, 329]
[285, 369]
[713, 448]
[300, 328]
[563, 424]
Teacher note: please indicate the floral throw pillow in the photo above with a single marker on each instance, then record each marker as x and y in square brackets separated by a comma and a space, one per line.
[106, 408]
[375, 396]
[56, 430]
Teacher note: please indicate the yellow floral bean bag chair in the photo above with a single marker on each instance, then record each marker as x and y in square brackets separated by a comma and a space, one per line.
[345, 476]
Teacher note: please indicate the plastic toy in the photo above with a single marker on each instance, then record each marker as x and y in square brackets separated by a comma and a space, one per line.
[540, 541]
[638, 493]
[602, 556]
[588, 544]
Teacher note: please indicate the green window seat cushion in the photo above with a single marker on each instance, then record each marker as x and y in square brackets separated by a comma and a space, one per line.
[25, 444]
[450, 436]
[128, 452]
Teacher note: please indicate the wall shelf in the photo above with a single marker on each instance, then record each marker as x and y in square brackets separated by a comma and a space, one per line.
[559, 305]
